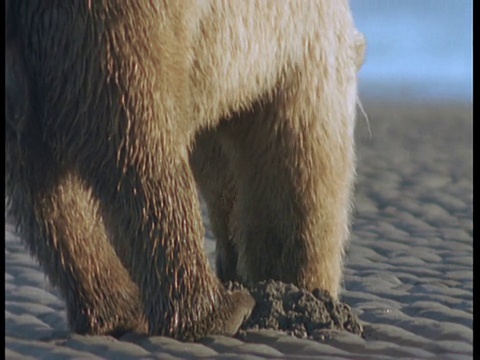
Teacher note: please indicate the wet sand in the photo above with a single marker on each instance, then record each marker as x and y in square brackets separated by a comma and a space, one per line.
[409, 265]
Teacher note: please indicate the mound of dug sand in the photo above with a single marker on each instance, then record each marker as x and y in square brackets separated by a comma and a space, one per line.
[297, 312]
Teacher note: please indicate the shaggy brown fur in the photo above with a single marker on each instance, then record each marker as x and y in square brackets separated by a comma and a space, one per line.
[112, 108]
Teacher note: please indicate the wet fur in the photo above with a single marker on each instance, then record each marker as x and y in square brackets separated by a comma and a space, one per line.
[115, 108]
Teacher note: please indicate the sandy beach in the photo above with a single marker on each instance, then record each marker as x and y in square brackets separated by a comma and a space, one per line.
[408, 272]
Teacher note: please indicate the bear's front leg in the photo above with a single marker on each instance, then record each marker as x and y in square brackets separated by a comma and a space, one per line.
[211, 168]
[294, 165]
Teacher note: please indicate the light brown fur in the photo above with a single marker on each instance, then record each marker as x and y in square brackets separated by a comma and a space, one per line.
[114, 107]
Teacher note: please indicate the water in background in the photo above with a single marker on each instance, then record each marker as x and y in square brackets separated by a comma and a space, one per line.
[416, 49]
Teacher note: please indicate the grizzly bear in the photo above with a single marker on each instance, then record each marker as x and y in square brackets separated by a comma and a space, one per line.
[116, 110]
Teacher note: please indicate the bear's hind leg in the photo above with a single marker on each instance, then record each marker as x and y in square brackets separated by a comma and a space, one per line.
[154, 207]
[60, 222]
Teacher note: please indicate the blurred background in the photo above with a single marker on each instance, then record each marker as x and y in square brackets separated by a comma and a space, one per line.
[417, 50]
